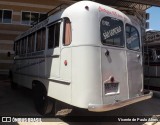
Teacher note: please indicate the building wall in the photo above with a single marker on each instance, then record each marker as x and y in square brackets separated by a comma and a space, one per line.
[8, 32]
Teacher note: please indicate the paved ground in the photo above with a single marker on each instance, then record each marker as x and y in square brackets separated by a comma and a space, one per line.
[20, 103]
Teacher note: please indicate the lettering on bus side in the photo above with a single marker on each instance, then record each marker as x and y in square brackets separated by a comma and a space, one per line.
[109, 12]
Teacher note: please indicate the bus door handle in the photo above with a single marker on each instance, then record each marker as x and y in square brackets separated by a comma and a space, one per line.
[107, 53]
[138, 56]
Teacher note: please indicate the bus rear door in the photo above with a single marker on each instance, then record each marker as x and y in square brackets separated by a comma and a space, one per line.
[114, 72]
[134, 61]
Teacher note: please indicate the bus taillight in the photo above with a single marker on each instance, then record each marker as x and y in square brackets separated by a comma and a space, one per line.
[65, 62]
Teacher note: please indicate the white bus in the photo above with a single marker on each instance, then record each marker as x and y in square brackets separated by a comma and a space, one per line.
[88, 55]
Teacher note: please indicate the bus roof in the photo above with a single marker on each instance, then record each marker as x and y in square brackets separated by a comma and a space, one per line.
[72, 10]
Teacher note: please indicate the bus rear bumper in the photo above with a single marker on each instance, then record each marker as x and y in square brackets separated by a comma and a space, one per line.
[104, 107]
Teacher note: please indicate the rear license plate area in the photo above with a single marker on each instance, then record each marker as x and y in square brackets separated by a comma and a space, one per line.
[111, 88]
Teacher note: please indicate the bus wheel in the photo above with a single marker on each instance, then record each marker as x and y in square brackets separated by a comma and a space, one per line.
[42, 102]
[14, 85]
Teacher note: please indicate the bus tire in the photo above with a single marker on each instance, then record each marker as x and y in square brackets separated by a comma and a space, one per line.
[14, 85]
[42, 102]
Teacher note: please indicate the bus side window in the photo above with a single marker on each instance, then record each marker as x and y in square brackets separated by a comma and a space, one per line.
[25, 44]
[41, 37]
[29, 44]
[67, 38]
[22, 45]
[14, 48]
[18, 47]
[53, 38]
[38, 41]
[31, 40]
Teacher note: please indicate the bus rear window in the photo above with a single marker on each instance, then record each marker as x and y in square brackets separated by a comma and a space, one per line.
[132, 38]
[112, 32]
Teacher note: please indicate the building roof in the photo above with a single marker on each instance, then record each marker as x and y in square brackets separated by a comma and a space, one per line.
[130, 4]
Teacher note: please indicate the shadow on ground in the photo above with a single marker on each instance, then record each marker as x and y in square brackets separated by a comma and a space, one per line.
[20, 103]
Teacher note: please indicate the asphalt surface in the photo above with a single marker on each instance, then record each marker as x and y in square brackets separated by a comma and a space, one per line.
[20, 103]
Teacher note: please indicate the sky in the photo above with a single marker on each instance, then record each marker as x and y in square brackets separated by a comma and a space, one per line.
[154, 21]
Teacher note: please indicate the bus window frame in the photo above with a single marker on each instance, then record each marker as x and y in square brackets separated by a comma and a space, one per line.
[32, 42]
[18, 47]
[29, 49]
[44, 29]
[64, 31]
[24, 41]
[138, 38]
[21, 40]
[47, 33]
[36, 32]
[123, 31]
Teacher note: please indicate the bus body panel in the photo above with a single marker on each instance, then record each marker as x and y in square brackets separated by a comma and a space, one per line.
[66, 64]
[135, 73]
[84, 23]
[76, 74]
[60, 87]
[86, 76]
[114, 65]
[60, 91]
[53, 67]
